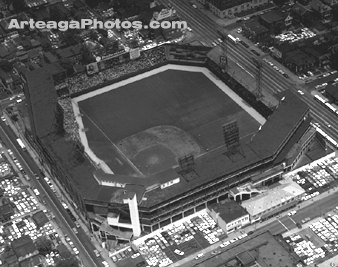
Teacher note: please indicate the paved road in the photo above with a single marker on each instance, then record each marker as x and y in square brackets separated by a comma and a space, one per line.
[314, 210]
[81, 240]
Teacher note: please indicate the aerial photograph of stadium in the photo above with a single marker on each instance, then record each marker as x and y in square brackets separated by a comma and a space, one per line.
[155, 133]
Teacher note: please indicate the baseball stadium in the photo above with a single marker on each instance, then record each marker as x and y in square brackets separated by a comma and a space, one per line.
[167, 140]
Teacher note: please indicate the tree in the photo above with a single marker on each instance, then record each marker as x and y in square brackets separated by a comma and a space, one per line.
[280, 2]
[70, 262]
[44, 245]
[335, 14]
[6, 65]
[19, 5]
[334, 61]
[87, 56]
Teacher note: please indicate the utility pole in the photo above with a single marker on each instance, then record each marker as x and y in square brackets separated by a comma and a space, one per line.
[258, 65]
[223, 59]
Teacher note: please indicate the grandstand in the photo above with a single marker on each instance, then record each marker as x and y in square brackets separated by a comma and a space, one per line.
[141, 202]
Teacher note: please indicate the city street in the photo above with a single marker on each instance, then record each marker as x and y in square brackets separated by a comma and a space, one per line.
[62, 219]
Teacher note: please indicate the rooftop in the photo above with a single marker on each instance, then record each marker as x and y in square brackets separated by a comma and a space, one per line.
[332, 91]
[298, 57]
[225, 4]
[229, 211]
[254, 26]
[42, 95]
[23, 246]
[280, 126]
[272, 198]
[273, 16]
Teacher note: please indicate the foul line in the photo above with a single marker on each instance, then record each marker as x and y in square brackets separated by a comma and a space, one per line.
[112, 143]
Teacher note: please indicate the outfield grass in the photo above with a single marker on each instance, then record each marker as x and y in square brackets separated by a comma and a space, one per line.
[186, 100]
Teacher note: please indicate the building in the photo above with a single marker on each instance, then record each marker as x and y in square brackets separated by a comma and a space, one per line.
[256, 32]
[298, 61]
[273, 201]
[6, 211]
[228, 8]
[156, 214]
[275, 21]
[301, 14]
[319, 53]
[41, 95]
[24, 248]
[332, 92]
[324, 11]
[121, 206]
[229, 215]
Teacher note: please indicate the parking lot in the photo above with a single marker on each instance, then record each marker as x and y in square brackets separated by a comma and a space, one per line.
[317, 177]
[318, 241]
[295, 36]
[24, 214]
[173, 242]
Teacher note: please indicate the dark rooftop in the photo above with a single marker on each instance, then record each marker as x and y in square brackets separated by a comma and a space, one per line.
[298, 57]
[273, 16]
[225, 4]
[40, 219]
[229, 211]
[42, 96]
[332, 91]
[254, 26]
[23, 246]
[279, 126]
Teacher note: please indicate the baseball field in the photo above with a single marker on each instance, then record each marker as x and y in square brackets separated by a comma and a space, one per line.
[142, 128]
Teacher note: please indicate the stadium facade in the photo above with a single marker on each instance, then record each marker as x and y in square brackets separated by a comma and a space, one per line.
[119, 207]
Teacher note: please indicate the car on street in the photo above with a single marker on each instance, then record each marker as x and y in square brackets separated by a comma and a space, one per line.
[97, 253]
[200, 255]
[291, 213]
[179, 252]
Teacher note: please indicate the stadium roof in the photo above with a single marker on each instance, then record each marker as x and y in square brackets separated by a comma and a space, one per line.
[42, 97]
[272, 198]
[280, 126]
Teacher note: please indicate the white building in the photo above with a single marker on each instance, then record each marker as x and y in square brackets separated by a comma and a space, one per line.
[273, 201]
[230, 216]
